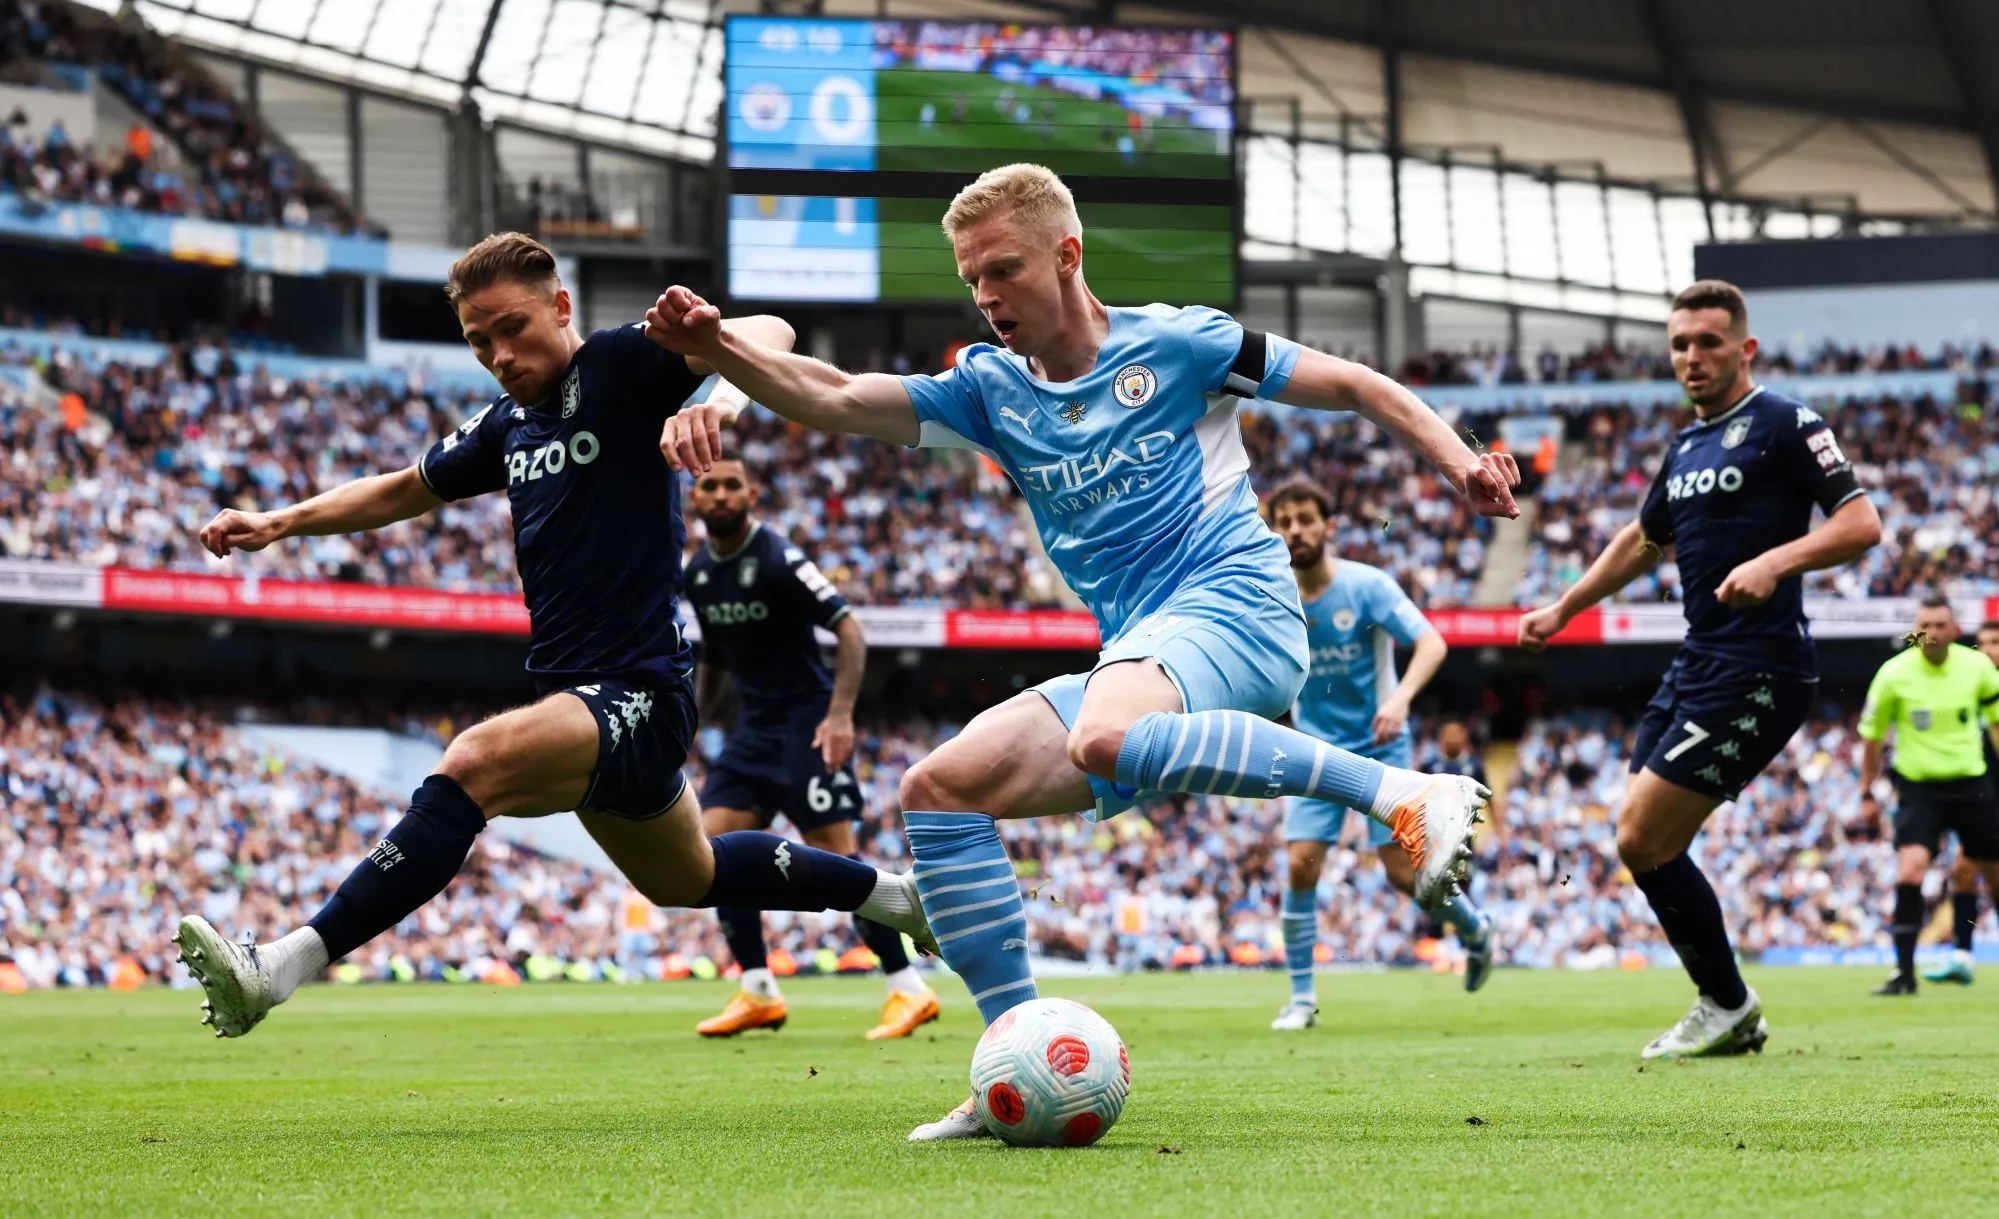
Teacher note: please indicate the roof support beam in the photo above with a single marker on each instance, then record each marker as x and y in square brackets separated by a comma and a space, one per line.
[1954, 43]
[1391, 92]
[1693, 107]
[485, 40]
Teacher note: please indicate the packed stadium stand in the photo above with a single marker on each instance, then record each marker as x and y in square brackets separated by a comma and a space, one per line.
[226, 165]
[125, 810]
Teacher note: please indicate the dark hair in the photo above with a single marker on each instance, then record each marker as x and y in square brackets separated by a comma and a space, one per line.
[503, 257]
[1935, 601]
[1715, 294]
[1298, 490]
[1990, 624]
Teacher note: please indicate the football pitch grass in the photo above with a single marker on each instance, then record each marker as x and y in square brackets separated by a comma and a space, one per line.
[598, 1099]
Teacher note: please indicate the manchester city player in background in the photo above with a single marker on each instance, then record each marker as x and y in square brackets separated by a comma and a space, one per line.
[758, 599]
[1354, 616]
[574, 442]
[1733, 498]
[1119, 426]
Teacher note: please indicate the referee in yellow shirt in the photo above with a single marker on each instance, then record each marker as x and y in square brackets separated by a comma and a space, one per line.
[1936, 696]
[1964, 877]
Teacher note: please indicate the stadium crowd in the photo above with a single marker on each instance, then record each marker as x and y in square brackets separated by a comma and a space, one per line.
[1488, 364]
[1930, 467]
[236, 171]
[1193, 62]
[149, 454]
[122, 813]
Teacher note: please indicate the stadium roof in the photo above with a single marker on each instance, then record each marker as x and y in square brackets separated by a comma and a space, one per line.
[648, 72]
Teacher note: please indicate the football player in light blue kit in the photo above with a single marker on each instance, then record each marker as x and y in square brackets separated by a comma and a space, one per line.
[1354, 617]
[1119, 425]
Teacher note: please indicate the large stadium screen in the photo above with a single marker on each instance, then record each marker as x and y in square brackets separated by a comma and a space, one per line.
[845, 140]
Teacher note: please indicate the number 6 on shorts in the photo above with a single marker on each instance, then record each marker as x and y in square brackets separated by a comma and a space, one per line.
[1695, 735]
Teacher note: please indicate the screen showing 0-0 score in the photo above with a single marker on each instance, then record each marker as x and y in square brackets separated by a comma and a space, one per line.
[845, 139]
[961, 97]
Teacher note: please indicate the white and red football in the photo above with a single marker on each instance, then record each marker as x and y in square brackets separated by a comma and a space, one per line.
[1050, 1073]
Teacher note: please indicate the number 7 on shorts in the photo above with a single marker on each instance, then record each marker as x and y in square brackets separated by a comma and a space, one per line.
[1695, 735]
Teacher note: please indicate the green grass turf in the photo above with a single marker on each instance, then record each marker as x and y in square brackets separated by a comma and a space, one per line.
[1073, 143]
[585, 1100]
[1133, 253]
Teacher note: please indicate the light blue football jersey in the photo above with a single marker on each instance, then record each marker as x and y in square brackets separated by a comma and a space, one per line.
[1354, 626]
[1135, 472]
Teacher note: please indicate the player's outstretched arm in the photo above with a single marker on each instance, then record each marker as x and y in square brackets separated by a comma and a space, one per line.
[1628, 556]
[365, 503]
[1852, 530]
[798, 387]
[1329, 383]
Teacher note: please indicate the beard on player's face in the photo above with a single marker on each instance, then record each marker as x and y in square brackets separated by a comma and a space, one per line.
[1306, 551]
[725, 522]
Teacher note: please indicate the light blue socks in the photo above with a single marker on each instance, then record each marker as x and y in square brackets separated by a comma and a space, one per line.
[973, 903]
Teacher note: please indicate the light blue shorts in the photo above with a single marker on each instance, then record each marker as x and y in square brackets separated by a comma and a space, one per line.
[1231, 645]
[1321, 820]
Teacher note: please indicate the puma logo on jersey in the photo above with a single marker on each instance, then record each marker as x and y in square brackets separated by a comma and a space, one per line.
[1026, 424]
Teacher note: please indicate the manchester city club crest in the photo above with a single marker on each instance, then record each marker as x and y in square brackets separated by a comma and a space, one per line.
[1737, 433]
[1072, 412]
[1343, 619]
[572, 393]
[1134, 385]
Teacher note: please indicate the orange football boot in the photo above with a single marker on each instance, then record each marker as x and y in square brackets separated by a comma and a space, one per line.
[745, 1012]
[904, 1013]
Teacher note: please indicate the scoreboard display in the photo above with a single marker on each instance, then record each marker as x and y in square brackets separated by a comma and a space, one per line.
[846, 139]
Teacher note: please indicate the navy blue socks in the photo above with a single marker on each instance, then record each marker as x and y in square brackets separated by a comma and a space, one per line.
[1690, 915]
[408, 867]
[765, 871]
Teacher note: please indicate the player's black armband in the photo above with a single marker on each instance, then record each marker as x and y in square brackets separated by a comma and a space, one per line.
[1245, 379]
[1838, 487]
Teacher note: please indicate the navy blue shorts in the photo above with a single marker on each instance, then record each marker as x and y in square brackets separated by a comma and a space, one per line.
[774, 769]
[1715, 724]
[643, 735]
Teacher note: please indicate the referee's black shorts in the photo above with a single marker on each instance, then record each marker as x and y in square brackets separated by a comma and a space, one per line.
[1964, 807]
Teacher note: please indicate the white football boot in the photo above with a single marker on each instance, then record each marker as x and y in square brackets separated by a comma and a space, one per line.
[961, 1123]
[1709, 1030]
[235, 977]
[1436, 824]
[1478, 954]
[1296, 1015]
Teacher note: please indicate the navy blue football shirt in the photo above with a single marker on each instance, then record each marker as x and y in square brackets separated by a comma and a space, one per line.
[597, 527]
[1731, 488]
[758, 606]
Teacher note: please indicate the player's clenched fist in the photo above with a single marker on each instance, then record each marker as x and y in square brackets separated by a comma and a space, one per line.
[692, 439]
[1539, 626]
[233, 530]
[682, 322]
[1488, 483]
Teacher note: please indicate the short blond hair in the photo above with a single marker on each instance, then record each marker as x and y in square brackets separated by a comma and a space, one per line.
[503, 257]
[1031, 193]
